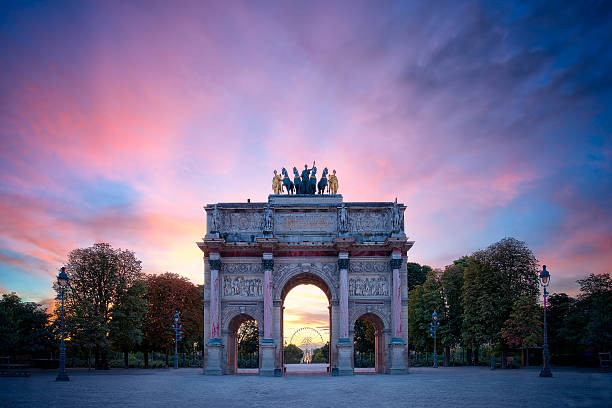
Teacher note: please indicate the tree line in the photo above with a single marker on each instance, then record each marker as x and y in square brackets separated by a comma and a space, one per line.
[110, 305]
[492, 298]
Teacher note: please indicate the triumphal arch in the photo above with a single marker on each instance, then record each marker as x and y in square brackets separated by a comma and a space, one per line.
[255, 253]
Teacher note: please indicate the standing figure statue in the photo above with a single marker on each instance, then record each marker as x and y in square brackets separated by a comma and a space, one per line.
[297, 183]
[322, 182]
[268, 221]
[333, 183]
[277, 183]
[312, 183]
[395, 217]
[304, 187]
[343, 219]
[287, 183]
[216, 220]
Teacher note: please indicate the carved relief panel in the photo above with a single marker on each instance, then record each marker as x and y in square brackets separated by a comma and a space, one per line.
[368, 221]
[369, 285]
[242, 286]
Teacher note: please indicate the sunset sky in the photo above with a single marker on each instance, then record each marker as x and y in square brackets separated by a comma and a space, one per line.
[120, 120]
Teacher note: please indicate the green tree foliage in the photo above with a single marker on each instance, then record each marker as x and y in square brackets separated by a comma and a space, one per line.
[482, 299]
[417, 274]
[24, 328]
[365, 336]
[524, 327]
[566, 322]
[99, 277]
[494, 279]
[452, 288]
[248, 338]
[424, 300]
[128, 317]
[596, 298]
[321, 355]
[292, 354]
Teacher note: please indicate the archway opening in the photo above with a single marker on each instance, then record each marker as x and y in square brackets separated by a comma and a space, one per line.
[243, 345]
[306, 325]
[369, 344]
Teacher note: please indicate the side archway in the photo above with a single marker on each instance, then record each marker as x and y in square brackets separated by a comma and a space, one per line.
[233, 342]
[363, 355]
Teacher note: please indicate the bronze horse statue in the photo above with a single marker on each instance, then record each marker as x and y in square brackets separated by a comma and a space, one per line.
[297, 181]
[287, 183]
[323, 181]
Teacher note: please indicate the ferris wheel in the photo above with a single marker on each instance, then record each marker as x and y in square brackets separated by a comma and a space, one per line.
[307, 339]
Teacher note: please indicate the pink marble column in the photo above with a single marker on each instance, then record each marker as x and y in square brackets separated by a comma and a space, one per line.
[396, 303]
[268, 264]
[343, 265]
[215, 265]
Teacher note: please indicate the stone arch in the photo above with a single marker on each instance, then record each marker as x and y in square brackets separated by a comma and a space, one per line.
[305, 274]
[232, 343]
[230, 312]
[376, 310]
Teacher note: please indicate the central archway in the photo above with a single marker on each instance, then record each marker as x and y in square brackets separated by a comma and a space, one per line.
[299, 279]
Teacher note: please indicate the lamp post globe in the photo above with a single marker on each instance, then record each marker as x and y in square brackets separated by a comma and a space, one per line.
[62, 284]
[545, 281]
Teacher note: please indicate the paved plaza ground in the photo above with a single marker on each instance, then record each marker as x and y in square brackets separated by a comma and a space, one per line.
[423, 387]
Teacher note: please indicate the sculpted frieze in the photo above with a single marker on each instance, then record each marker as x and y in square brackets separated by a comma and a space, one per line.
[369, 267]
[242, 286]
[241, 268]
[369, 286]
[367, 221]
[241, 221]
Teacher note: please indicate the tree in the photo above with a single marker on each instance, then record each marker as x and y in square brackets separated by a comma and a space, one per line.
[417, 274]
[452, 287]
[292, 354]
[99, 276]
[566, 322]
[128, 317]
[524, 327]
[248, 338]
[494, 279]
[321, 355]
[24, 328]
[596, 298]
[424, 300]
[365, 336]
[481, 299]
[168, 293]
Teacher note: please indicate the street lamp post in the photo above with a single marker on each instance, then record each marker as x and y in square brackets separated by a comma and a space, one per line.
[433, 333]
[62, 283]
[178, 335]
[545, 281]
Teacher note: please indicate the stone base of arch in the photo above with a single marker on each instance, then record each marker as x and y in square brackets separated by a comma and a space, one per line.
[398, 353]
[345, 357]
[267, 350]
[215, 355]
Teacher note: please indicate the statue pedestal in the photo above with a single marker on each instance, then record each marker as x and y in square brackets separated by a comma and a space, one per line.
[266, 350]
[215, 353]
[398, 356]
[345, 357]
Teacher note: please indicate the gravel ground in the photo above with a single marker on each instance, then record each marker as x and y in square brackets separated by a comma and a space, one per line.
[423, 387]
